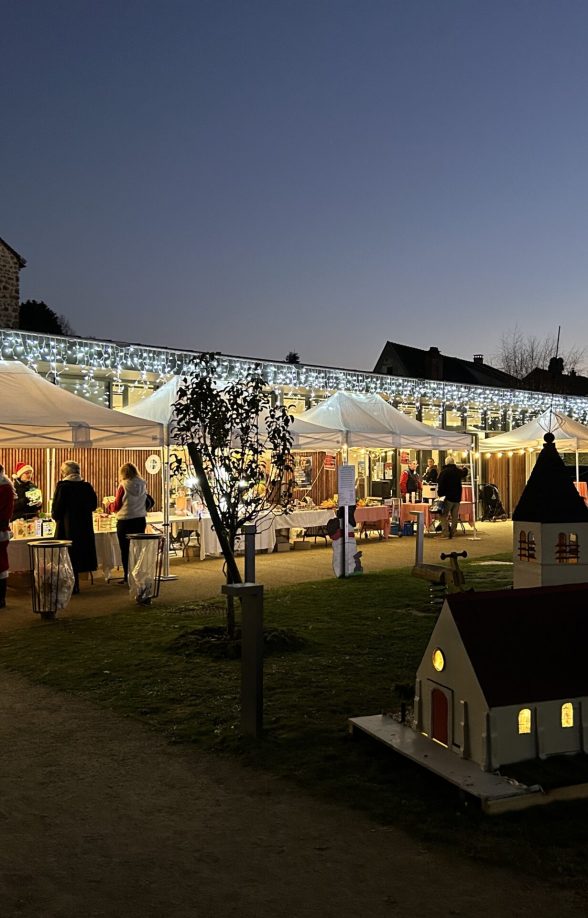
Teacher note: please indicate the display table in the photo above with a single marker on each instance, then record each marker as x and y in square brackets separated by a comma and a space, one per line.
[303, 519]
[407, 511]
[379, 516]
[107, 553]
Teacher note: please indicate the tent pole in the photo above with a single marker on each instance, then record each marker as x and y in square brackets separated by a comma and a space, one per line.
[475, 537]
[165, 500]
[577, 467]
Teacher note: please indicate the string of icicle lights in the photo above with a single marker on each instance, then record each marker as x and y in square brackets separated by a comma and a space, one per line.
[88, 363]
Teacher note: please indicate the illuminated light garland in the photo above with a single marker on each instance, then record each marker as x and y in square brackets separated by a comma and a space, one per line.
[100, 362]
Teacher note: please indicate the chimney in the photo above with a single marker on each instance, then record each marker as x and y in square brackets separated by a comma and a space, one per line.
[478, 358]
[434, 363]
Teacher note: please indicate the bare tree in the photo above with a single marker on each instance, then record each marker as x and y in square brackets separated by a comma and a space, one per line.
[239, 443]
[519, 354]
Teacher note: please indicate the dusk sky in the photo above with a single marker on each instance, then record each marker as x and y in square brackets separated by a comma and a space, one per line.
[258, 177]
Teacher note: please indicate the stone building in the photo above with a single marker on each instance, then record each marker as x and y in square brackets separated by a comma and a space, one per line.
[10, 266]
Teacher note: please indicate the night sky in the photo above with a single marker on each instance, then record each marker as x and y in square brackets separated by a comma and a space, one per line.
[259, 177]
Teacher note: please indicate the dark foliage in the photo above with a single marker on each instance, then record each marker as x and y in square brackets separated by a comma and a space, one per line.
[36, 316]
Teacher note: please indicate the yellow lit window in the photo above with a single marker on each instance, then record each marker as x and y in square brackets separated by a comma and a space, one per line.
[438, 660]
[567, 714]
[525, 720]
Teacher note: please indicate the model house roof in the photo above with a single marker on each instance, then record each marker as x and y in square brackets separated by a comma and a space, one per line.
[550, 495]
[403, 360]
[526, 646]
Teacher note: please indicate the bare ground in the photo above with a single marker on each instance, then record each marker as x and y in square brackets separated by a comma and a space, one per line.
[100, 817]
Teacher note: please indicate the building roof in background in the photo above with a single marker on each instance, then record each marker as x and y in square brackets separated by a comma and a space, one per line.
[525, 646]
[21, 260]
[403, 360]
[540, 380]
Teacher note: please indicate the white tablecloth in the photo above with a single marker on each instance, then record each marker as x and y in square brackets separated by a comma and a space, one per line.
[265, 538]
[302, 519]
[107, 553]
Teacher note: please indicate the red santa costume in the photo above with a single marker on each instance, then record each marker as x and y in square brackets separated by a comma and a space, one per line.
[7, 496]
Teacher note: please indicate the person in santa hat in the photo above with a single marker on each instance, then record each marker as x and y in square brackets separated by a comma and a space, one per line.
[29, 499]
[7, 498]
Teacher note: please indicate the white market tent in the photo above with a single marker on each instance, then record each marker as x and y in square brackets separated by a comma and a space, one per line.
[159, 406]
[570, 436]
[37, 413]
[369, 421]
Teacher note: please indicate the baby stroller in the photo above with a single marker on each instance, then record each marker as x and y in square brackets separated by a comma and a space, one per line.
[492, 509]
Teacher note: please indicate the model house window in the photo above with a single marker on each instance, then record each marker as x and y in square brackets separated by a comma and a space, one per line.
[567, 549]
[525, 720]
[567, 714]
[526, 546]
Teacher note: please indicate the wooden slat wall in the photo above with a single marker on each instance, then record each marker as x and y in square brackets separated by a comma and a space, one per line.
[509, 476]
[326, 480]
[99, 467]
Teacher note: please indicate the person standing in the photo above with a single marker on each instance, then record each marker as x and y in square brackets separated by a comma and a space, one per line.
[431, 472]
[74, 502]
[449, 487]
[130, 506]
[29, 498]
[7, 499]
[410, 484]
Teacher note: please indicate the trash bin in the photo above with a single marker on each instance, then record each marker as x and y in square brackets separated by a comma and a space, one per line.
[52, 578]
[145, 562]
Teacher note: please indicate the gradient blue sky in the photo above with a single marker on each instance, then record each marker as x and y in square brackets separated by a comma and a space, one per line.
[257, 177]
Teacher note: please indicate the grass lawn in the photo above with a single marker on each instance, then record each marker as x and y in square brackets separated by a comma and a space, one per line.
[362, 637]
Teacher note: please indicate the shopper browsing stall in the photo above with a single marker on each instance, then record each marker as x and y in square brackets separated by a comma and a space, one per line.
[410, 483]
[29, 498]
[7, 499]
[74, 502]
[449, 487]
[130, 506]
[431, 472]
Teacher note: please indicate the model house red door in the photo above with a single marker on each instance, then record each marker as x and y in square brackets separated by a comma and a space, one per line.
[439, 716]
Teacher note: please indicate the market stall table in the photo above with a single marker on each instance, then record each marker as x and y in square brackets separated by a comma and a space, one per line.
[107, 553]
[374, 516]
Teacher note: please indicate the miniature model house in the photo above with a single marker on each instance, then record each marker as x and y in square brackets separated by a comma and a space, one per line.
[550, 526]
[504, 677]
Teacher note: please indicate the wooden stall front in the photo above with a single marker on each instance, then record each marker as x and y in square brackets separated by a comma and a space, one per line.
[98, 466]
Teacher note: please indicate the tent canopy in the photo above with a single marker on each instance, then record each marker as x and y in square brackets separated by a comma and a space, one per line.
[570, 436]
[370, 421]
[36, 413]
[159, 406]
[344, 419]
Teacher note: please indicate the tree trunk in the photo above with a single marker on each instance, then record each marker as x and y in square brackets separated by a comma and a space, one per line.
[233, 573]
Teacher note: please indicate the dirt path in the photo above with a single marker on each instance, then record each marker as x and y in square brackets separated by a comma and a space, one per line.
[99, 817]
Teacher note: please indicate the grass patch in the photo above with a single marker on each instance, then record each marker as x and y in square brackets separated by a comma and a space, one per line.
[361, 640]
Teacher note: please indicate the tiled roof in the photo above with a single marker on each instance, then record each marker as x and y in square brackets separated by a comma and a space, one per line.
[430, 364]
[526, 646]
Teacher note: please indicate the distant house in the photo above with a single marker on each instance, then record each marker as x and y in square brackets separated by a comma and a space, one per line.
[550, 526]
[11, 264]
[402, 360]
[555, 380]
[504, 676]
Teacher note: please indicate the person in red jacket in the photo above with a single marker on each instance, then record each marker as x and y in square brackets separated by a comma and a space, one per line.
[7, 498]
[410, 483]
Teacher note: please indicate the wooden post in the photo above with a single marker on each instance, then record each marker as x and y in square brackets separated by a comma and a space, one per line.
[251, 597]
[249, 530]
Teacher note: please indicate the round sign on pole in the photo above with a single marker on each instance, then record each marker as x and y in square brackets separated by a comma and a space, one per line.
[153, 464]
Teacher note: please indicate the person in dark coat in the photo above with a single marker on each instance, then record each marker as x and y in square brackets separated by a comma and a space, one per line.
[73, 504]
[29, 500]
[431, 472]
[449, 487]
